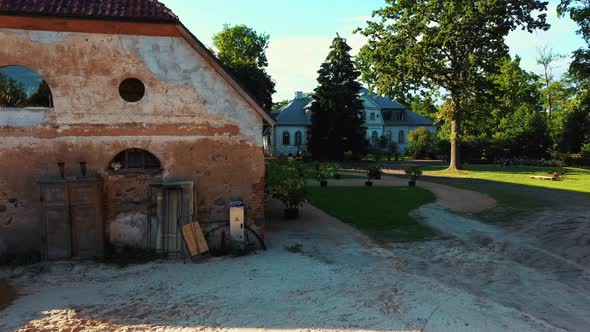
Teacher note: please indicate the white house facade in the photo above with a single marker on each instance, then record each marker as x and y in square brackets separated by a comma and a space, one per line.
[382, 117]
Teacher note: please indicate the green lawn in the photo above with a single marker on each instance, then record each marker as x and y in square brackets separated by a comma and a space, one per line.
[380, 212]
[576, 179]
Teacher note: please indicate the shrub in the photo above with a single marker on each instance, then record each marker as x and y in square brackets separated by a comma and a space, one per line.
[285, 182]
[393, 151]
[414, 172]
[383, 141]
[585, 151]
[295, 248]
[377, 155]
[529, 162]
[478, 150]
[422, 143]
[374, 172]
[576, 159]
[324, 171]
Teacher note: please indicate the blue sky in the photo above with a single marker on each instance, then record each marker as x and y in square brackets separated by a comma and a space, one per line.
[301, 31]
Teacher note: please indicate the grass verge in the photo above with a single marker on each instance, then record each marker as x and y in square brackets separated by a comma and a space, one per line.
[380, 212]
[576, 179]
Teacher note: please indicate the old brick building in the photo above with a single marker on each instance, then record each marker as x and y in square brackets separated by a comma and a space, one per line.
[129, 98]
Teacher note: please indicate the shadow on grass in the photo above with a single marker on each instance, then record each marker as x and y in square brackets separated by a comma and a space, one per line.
[516, 200]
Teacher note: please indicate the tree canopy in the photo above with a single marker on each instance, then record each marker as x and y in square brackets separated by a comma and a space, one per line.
[243, 53]
[13, 93]
[576, 124]
[337, 126]
[451, 45]
[579, 12]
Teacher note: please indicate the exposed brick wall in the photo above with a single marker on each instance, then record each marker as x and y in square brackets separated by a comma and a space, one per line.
[222, 170]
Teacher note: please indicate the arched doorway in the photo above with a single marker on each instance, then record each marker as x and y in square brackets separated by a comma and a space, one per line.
[128, 204]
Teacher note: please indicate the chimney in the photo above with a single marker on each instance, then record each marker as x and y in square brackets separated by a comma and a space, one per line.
[298, 94]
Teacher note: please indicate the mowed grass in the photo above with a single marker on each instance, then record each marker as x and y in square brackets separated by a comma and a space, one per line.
[576, 179]
[380, 212]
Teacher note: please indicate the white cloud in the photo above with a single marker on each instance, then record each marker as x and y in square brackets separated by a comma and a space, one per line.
[294, 61]
[362, 18]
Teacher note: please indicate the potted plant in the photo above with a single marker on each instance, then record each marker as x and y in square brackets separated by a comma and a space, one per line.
[285, 182]
[414, 172]
[373, 172]
[324, 171]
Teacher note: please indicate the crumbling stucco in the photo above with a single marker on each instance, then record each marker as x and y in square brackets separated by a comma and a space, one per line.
[129, 229]
[190, 118]
[84, 72]
[22, 117]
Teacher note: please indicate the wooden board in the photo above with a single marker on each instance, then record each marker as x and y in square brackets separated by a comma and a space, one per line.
[56, 235]
[194, 239]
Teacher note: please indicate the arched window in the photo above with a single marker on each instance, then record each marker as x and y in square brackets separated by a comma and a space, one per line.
[374, 138]
[286, 138]
[402, 137]
[135, 160]
[298, 139]
[23, 87]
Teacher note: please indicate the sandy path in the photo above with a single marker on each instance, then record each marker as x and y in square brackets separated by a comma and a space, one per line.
[455, 199]
[504, 266]
[342, 282]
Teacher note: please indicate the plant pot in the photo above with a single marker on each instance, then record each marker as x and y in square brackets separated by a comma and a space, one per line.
[368, 183]
[324, 183]
[412, 183]
[291, 213]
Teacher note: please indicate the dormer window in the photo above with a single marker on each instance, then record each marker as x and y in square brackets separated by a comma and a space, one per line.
[400, 116]
[387, 115]
[372, 116]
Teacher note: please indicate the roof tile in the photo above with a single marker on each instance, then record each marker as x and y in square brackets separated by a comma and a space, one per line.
[124, 10]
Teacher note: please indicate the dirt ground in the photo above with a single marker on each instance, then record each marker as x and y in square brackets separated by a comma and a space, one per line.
[527, 275]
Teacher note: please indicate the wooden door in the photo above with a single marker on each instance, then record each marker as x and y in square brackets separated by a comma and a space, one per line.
[56, 221]
[86, 219]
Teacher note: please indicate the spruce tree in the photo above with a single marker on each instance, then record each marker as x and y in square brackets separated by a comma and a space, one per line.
[337, 126]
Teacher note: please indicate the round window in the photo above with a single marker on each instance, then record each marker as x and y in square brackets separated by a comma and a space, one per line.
[132, 90]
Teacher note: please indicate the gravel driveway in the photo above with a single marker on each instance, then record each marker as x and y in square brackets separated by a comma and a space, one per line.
[341, 282]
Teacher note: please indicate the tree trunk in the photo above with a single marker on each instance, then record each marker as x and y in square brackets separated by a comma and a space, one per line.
[455, 144]
[549, 99]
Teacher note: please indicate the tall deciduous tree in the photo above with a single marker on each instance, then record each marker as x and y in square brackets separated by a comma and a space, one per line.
[445, 44]
[243, 52]
[579, 11]
[42, 96]
[12, 93]
[545, 57]
[337, 126]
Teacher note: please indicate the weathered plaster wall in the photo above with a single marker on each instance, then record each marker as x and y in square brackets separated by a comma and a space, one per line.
[84, 72]
[24, 118]
[191, 119]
